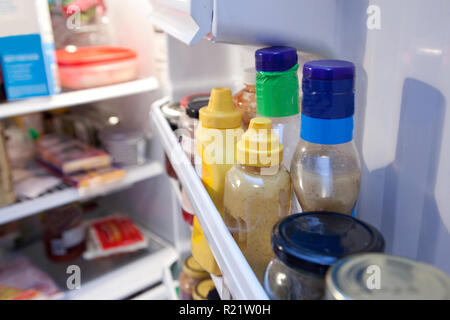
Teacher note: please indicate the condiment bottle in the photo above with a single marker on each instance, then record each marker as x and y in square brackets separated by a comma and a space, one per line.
[307, 244]
[258, 193]
[277, 94]
[245, 99]
[325, 169]
[376, 276]
[216, 138]
[192, 274]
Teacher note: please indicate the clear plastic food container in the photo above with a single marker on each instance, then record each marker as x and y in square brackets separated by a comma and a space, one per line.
[306, 245]
[87, 67]
[125, 145]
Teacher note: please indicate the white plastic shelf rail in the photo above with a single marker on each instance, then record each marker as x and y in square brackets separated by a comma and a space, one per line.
[237, 274]
[78, 97]
[66, 194]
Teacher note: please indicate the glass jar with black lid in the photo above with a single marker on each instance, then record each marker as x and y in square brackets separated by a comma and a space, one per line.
[307, 244]
[188, 123]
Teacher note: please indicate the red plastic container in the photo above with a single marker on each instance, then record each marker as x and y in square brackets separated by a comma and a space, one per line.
[87, 67]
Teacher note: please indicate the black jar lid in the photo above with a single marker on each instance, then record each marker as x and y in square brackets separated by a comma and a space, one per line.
[195, 103]
[313, 241]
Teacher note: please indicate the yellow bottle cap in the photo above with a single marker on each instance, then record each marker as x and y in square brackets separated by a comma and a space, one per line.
[260, 145]
[220, 112]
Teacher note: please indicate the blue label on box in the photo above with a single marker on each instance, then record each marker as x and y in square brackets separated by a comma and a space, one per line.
[23, 66]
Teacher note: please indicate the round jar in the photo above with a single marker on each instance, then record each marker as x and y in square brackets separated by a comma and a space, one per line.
[172, 112]
[126, 146]
[307, 244]
[188, 122]
[202, 289]
[380, 276]
[192, 274]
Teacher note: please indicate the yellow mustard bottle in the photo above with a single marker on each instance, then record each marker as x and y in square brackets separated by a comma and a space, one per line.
[218, 132]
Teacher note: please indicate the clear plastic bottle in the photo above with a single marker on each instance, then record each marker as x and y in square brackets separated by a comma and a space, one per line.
[257, 193]
[277, 94]
[245, 100]
[325, 169]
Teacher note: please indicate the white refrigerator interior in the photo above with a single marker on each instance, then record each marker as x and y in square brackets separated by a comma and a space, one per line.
[401, 50]
[402, 127]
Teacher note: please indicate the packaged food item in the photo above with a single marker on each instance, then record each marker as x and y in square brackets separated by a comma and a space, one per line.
[34, 186]
[277, 94]
[375, 276]
[89, 179]
[21, 280]
[325, 170]
[188, 123]
[171, 112]
[87, 67]
[8, 293]
[7, 195]
[257, 193]
[27, 55]
[126, 146]
[202, 289]
[64, 233]
[79, 22]
[192, 274]
[115, 234]
[306, 245]
[69, 156]
[245, 99]
[217, 134]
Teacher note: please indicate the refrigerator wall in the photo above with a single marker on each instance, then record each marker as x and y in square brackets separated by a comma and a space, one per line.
[401, 50]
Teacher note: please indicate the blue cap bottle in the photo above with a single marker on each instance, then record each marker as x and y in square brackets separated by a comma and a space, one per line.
[325, 168]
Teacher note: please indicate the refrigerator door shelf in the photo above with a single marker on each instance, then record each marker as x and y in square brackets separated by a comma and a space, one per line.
[186, 20]
[239, 277]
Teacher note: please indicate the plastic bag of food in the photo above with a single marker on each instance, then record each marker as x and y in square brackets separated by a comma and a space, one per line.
[113, 235]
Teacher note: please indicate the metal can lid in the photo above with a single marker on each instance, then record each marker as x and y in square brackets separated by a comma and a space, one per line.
[375, 276]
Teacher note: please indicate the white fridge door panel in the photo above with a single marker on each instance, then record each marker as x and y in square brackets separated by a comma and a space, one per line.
[403, 128]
